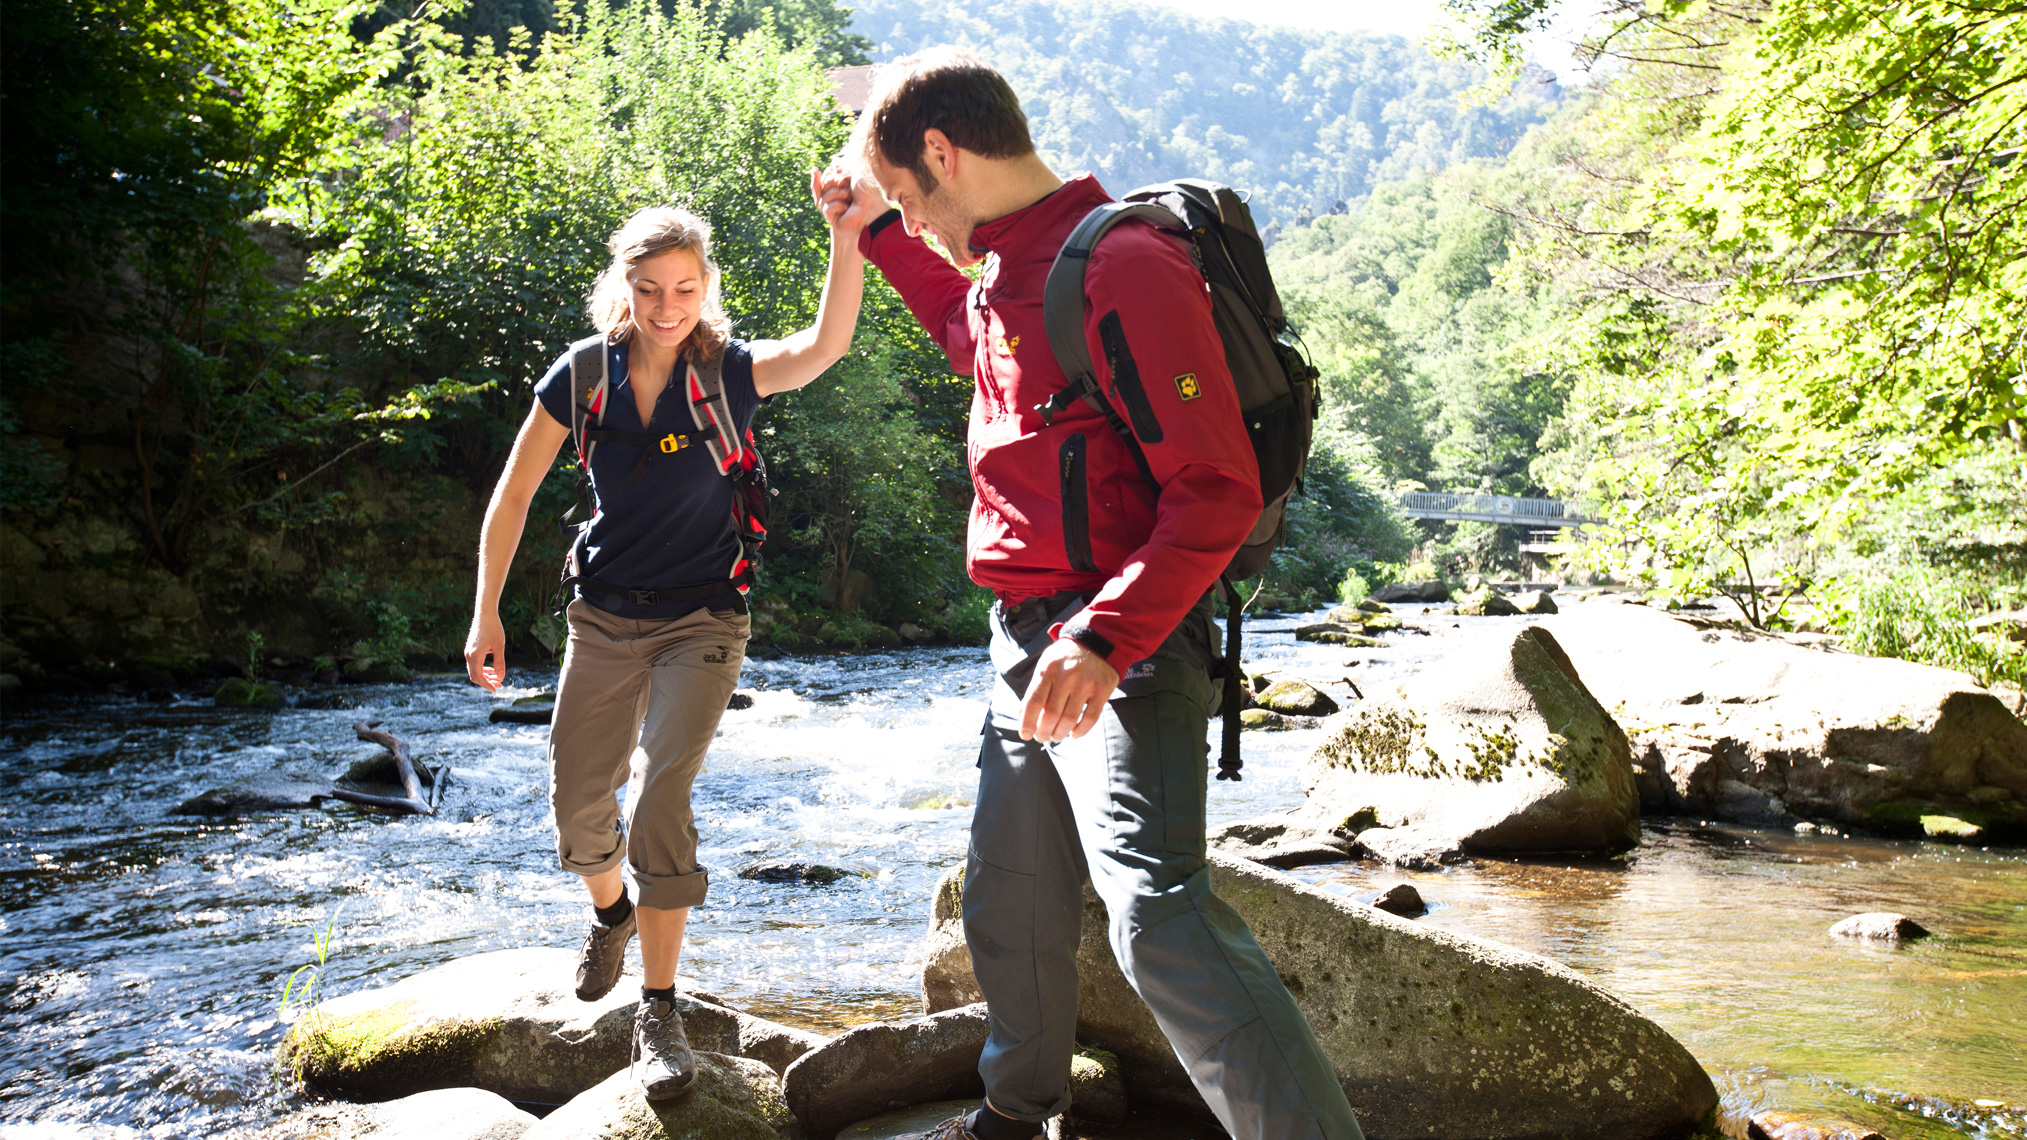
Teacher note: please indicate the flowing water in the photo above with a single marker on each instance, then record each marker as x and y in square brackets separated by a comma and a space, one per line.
[142, 954]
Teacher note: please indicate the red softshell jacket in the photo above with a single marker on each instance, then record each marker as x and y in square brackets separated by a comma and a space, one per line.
[1149, 558]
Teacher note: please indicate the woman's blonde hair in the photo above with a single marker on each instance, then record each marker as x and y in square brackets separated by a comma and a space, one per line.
[649, 233]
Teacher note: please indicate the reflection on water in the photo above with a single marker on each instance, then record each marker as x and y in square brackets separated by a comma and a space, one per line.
[141, 953]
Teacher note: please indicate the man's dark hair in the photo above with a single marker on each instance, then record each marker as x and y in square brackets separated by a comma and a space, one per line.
[946, 89]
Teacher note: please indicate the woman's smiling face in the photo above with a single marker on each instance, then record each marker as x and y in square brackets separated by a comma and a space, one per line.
[668, 295]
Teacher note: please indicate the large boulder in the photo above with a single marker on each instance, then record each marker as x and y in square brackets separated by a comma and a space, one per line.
[874, 1068]
[1505, 751]
[1431, 1033]
[440, 1114]
[1749, 726]
[734, 1099]
[506, 1021]
[1426, 591]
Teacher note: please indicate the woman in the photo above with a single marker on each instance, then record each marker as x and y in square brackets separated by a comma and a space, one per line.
[640, 668]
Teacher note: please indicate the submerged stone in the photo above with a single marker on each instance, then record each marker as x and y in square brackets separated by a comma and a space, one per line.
[272, 790]
[812, 874]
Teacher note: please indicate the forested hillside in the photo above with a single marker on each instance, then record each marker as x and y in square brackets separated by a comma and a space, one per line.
[280, 276]
[1758, 296]
[1309, 122]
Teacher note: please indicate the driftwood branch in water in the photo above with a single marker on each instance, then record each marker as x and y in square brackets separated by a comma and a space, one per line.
[405, 804]
[403, 764]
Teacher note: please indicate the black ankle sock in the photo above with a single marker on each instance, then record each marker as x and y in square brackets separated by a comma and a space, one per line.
[667, 995]
[616, 913]
[987, 1124]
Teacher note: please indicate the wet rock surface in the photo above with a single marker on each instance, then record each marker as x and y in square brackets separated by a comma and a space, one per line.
[1402, 899]
[1505, 752]
[440, 1114]
[1281, 841]
[734, 1099]
[808, 874]
[1431, 1033]
[273, 790]
[1880, 926]
[875, 1068]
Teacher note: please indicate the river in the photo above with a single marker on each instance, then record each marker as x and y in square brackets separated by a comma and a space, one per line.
[142, 954]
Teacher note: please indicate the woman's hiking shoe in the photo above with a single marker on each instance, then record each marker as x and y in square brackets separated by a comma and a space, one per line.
[663, 1065]
[603, 957]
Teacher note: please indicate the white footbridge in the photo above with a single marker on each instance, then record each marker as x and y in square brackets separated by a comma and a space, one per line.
[1547, 516]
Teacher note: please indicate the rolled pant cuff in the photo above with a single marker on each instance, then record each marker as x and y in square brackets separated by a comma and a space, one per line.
[587, 870]
[672, 892]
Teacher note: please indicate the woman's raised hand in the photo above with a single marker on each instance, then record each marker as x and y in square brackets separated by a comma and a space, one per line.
[844, 206]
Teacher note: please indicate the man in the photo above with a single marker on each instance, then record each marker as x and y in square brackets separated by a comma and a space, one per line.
[1104, 614]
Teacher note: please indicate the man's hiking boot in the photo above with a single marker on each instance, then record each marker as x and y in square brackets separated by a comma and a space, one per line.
[663, 1065]
[957, 1128]
[603, 957]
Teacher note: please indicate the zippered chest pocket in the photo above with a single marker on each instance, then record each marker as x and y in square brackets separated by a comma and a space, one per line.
[1076, 505]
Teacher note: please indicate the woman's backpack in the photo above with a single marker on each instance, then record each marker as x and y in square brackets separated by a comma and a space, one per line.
[737, 459]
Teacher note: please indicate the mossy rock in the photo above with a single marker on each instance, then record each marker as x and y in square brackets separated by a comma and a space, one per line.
[364, 1055]
[1296, 698]
[1372, 622]
[1097, 1085]
[1264, 720]
[240, 693]
[1508, 752]
[1334, 633]
[506, 1021]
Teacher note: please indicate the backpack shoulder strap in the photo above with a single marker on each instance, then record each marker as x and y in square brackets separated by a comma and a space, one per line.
[1063, 293]
[590, 387]
[1063, 320]
[704, 392]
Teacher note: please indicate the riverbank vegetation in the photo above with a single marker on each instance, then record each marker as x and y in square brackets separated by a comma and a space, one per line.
[280, 277]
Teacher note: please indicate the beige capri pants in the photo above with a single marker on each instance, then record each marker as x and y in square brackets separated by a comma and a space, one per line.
[636, 707]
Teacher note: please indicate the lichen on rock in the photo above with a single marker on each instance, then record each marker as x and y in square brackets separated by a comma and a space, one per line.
[1509, 752]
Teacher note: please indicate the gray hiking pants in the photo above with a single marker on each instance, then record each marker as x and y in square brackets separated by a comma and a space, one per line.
[1125, 804]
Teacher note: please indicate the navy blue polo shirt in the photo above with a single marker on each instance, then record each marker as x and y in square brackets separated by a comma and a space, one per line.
[674, 526]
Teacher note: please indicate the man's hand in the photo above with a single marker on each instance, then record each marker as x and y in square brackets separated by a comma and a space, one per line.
[846, 208]
[487, 639]
[1068, 693]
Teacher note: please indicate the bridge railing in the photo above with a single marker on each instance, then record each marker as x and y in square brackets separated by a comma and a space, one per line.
[1493, 508]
